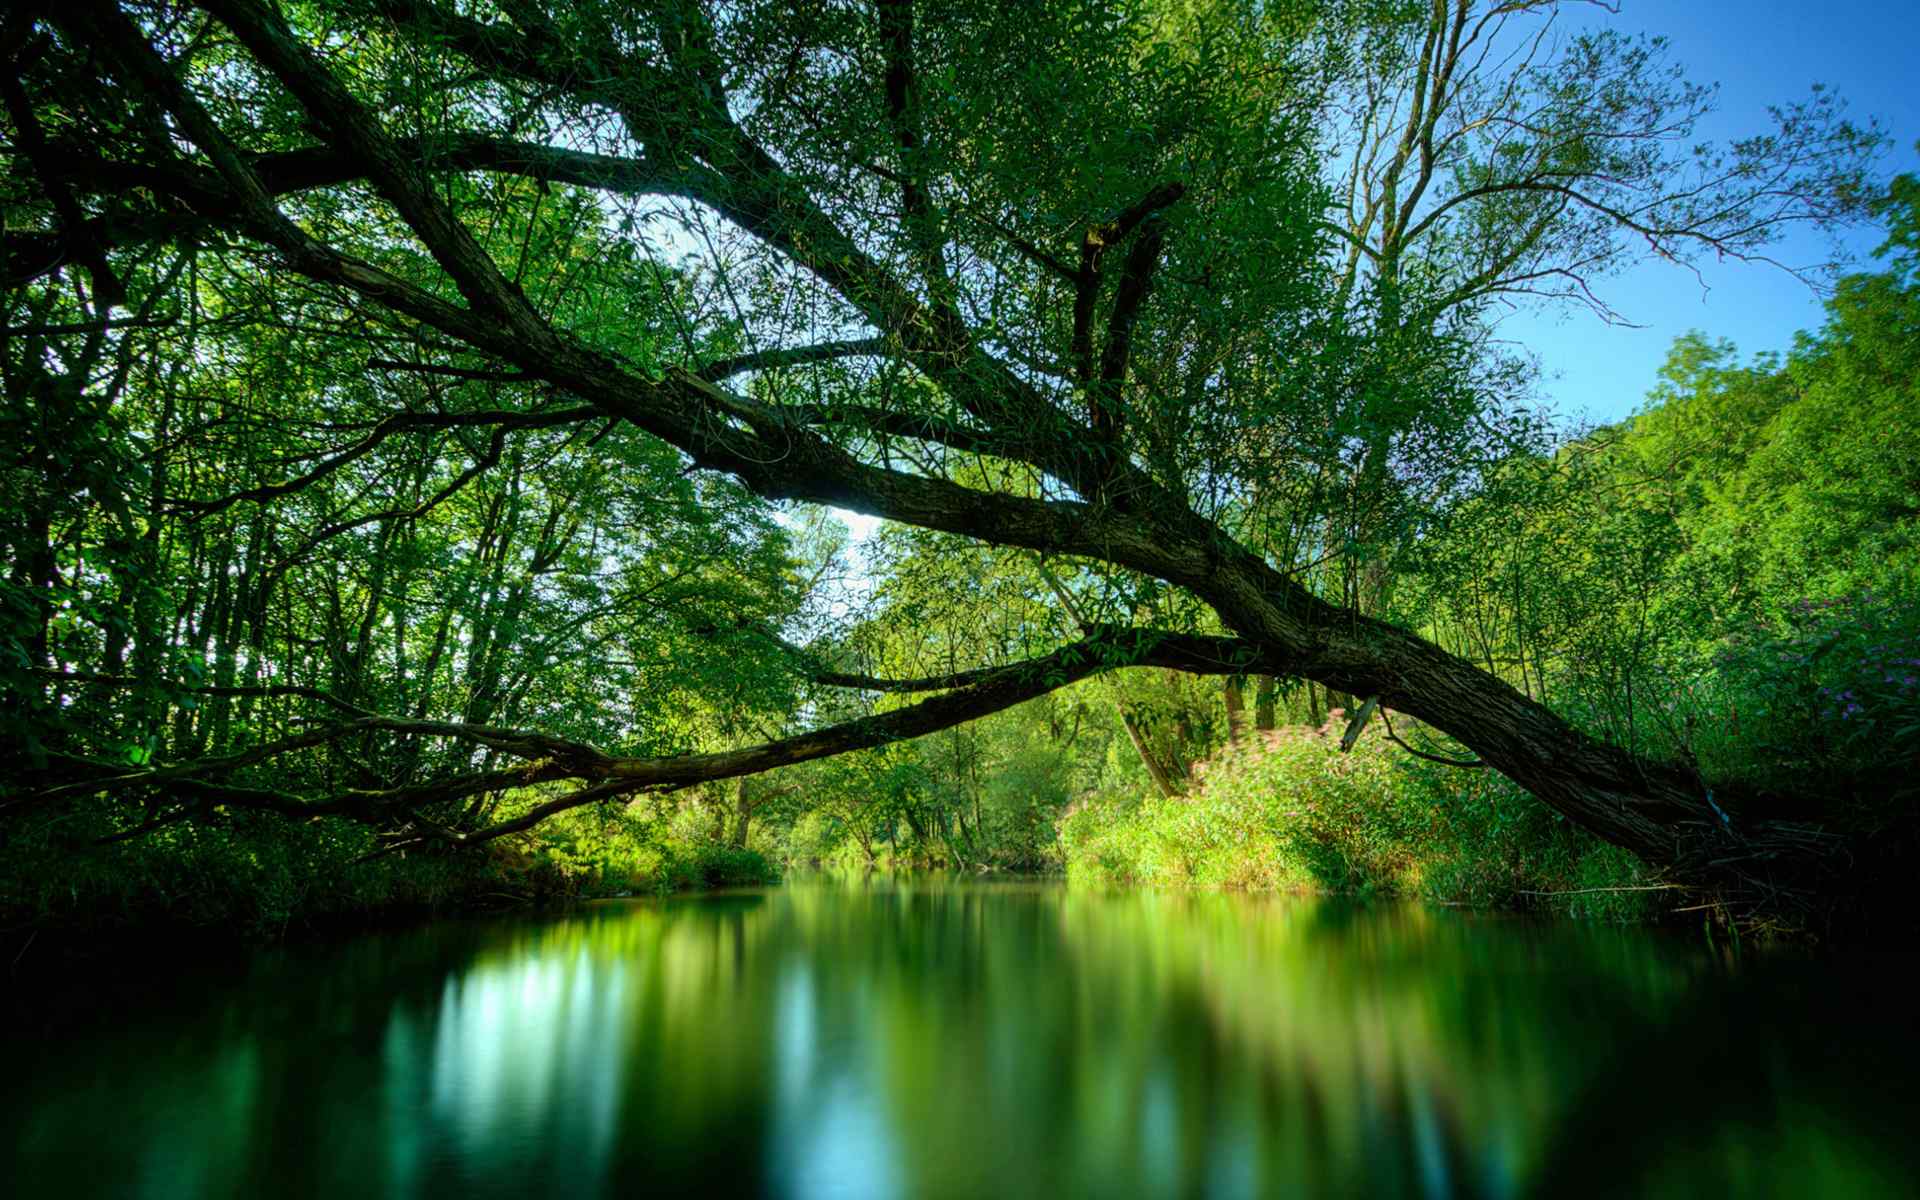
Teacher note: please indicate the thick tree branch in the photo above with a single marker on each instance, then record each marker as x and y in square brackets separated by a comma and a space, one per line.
[1102, 384]
[353, 130]
[30, 253]
[922, 222]
[75, 235]
[549, 758]
[1104, 408]
[991, 692]
[748, 186]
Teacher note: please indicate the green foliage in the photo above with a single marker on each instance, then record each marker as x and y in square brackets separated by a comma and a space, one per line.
[1296, 814]
[1824, 701]
[250, 877]
[706, 865]
[259, 878]
[1728, 579]
[285, 541]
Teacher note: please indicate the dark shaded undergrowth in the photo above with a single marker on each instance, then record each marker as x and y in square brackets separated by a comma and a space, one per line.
[251, 880]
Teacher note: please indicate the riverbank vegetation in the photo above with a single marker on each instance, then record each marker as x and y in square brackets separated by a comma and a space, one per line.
[425, 426]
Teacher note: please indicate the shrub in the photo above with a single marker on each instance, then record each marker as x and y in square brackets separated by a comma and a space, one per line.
[257, 878]
[1290, 812]
[1824, 702]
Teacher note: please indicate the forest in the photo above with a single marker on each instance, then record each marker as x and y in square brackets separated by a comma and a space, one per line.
[463, 454]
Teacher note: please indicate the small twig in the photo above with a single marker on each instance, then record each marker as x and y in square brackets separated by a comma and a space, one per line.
[1442, 759]
[482, 376]
[95, 326]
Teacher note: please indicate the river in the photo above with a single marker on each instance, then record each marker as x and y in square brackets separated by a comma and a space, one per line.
[933, 1038]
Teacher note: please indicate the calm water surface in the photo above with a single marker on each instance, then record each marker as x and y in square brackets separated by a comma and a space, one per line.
[998, 1040]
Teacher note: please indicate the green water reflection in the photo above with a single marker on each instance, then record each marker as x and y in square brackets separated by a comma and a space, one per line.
[944, 1039]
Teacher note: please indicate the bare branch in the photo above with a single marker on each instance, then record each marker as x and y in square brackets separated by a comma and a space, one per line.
[384, 429]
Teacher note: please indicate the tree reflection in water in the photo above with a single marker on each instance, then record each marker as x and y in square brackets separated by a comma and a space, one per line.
[964, 1039]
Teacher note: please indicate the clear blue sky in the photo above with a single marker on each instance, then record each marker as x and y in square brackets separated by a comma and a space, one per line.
[1759, 52]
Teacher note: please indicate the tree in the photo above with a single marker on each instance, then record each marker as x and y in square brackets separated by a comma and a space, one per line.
[1053, 278]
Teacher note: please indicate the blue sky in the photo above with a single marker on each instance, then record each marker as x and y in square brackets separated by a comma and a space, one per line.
[1760, 52]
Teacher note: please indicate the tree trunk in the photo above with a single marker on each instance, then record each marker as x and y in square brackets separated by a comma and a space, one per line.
[1658, 810]
[743, 812]
[1162, 781]
[1231, 689]
[1263, 702]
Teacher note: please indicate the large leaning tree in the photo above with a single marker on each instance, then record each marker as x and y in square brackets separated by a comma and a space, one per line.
[1182, 298]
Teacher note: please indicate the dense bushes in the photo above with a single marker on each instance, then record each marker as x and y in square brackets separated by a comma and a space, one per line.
[1291, 812]
[1821, 705]
[259, 878]
[1824, 702]
[253, 876]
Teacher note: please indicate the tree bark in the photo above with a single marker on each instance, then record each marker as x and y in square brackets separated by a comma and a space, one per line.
[743, 812]
[1156, 771]
[1264, 695]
